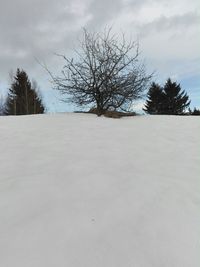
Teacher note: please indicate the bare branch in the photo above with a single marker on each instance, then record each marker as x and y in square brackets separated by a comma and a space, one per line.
[107, 72]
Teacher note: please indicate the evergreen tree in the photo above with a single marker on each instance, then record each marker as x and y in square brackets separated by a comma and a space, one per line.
[154, 103]
[22, 97]
[195, 111]
[175, 100]
[2, 105]
[167, 100]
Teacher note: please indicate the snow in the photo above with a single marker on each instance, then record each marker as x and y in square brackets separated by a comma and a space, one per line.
[81, 191]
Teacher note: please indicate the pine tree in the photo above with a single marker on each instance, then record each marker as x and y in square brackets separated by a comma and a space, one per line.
[154, 103]
[22, 97]
[175, 100]
[167, 100]
[2, 105]
[195, 111]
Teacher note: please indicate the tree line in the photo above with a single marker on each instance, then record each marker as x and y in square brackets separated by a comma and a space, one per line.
[107, 76]
[168, 100]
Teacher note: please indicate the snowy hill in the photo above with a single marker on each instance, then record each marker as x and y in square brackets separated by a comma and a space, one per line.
[81, 191]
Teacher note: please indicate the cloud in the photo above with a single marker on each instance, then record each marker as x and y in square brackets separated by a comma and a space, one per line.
[174, 24]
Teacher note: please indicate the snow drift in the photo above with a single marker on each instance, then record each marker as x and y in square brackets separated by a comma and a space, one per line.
[81, 191]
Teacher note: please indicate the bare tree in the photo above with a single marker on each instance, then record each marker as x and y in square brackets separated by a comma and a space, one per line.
[106, 73]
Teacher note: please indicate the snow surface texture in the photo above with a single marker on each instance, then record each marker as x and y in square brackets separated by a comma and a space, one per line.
[81, 191]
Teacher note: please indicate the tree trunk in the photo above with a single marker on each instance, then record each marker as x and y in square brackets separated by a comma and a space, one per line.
[15, 107]
[26, 92]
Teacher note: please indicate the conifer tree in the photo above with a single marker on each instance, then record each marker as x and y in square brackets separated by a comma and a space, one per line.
[2, 105]
[22, 97]
[154, 103]
[195, 111]
[167, 100]
[175, 100]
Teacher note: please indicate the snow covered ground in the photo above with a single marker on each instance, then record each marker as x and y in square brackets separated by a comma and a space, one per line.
[81, 191]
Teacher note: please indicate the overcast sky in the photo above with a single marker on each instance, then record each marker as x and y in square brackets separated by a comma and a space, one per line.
[168, 32]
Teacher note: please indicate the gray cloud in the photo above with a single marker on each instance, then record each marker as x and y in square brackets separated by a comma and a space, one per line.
[176, 23]
[34, 28]
[103, 11]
